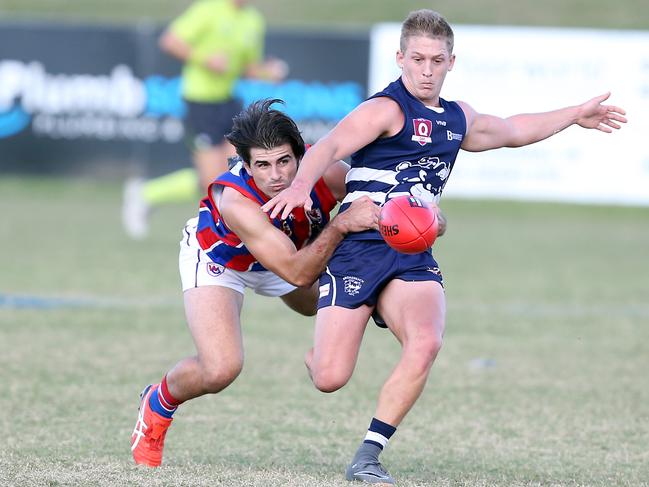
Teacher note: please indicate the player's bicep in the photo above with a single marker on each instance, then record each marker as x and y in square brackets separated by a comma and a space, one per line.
[488, 132]
[334, 177]
[272, 248]
[269, 245]
[366, 123]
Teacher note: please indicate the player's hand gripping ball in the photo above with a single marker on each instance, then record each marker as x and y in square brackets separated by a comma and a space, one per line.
[408, 224]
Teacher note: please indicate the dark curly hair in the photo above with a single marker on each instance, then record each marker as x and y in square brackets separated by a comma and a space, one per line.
[261, 126]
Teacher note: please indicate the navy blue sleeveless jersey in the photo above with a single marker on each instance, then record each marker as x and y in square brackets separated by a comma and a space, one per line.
[418, 160]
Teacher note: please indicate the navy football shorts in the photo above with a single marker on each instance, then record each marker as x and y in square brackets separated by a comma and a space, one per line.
[207, 124]
[360, 269]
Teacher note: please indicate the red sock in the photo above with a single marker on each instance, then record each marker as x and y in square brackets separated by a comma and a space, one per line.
[166, 399]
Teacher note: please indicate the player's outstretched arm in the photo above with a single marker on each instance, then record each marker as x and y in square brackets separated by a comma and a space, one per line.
[486, 132]
[594, 115]
[276, 251]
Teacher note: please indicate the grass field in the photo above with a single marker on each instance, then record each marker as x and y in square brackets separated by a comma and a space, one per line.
[541, 382]
[623, 14]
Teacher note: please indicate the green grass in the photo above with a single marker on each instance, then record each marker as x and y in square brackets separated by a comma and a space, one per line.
[553, 298]
[623, 14]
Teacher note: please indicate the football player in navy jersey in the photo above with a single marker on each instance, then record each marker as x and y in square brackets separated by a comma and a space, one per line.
[403, 140]
[233, 245]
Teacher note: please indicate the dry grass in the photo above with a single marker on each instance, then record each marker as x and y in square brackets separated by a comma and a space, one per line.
[541, 381]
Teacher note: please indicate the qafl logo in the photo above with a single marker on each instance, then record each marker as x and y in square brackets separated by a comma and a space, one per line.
[422, 128]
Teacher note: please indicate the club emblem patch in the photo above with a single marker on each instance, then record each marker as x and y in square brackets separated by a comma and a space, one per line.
[352, 285]
[315, 216]
[214, 269]
[422, 128]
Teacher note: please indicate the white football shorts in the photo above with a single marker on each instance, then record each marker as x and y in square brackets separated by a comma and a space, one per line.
[196, 269]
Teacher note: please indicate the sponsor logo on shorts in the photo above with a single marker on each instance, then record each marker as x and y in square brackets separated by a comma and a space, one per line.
[214, 269]
[324, 290]
[352, 285]
[437, 272]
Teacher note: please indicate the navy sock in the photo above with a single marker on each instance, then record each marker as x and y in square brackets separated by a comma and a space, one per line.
[379, 433]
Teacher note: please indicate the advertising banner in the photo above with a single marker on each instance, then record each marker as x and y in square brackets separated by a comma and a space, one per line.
[103, 100]
[508, 70]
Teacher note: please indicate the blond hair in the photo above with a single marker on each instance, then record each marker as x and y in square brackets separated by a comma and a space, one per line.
[426, 23]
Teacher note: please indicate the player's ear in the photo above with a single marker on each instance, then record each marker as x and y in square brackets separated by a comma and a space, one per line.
[246, 166]
[399, 59]
[452, 63]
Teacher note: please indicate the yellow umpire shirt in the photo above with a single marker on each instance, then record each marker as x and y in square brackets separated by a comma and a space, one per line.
[218, 27]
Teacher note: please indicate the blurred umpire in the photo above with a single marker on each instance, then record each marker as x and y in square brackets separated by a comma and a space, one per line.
[218, 41]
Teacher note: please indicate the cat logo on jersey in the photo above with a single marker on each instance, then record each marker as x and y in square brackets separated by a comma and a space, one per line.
[424, 179]
[423, 128]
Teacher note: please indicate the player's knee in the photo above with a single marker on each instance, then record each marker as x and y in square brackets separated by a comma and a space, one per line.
[307, 306]
[217, 378]
[424, 351]
[328, 379]
[307, 309]
[434, 344]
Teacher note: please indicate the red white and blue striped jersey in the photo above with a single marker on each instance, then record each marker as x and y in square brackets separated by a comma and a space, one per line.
[224, 247]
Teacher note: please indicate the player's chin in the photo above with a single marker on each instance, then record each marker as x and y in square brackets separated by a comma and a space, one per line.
[275, 190]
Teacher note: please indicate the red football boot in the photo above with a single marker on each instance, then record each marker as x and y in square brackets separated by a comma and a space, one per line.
[147, 441]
